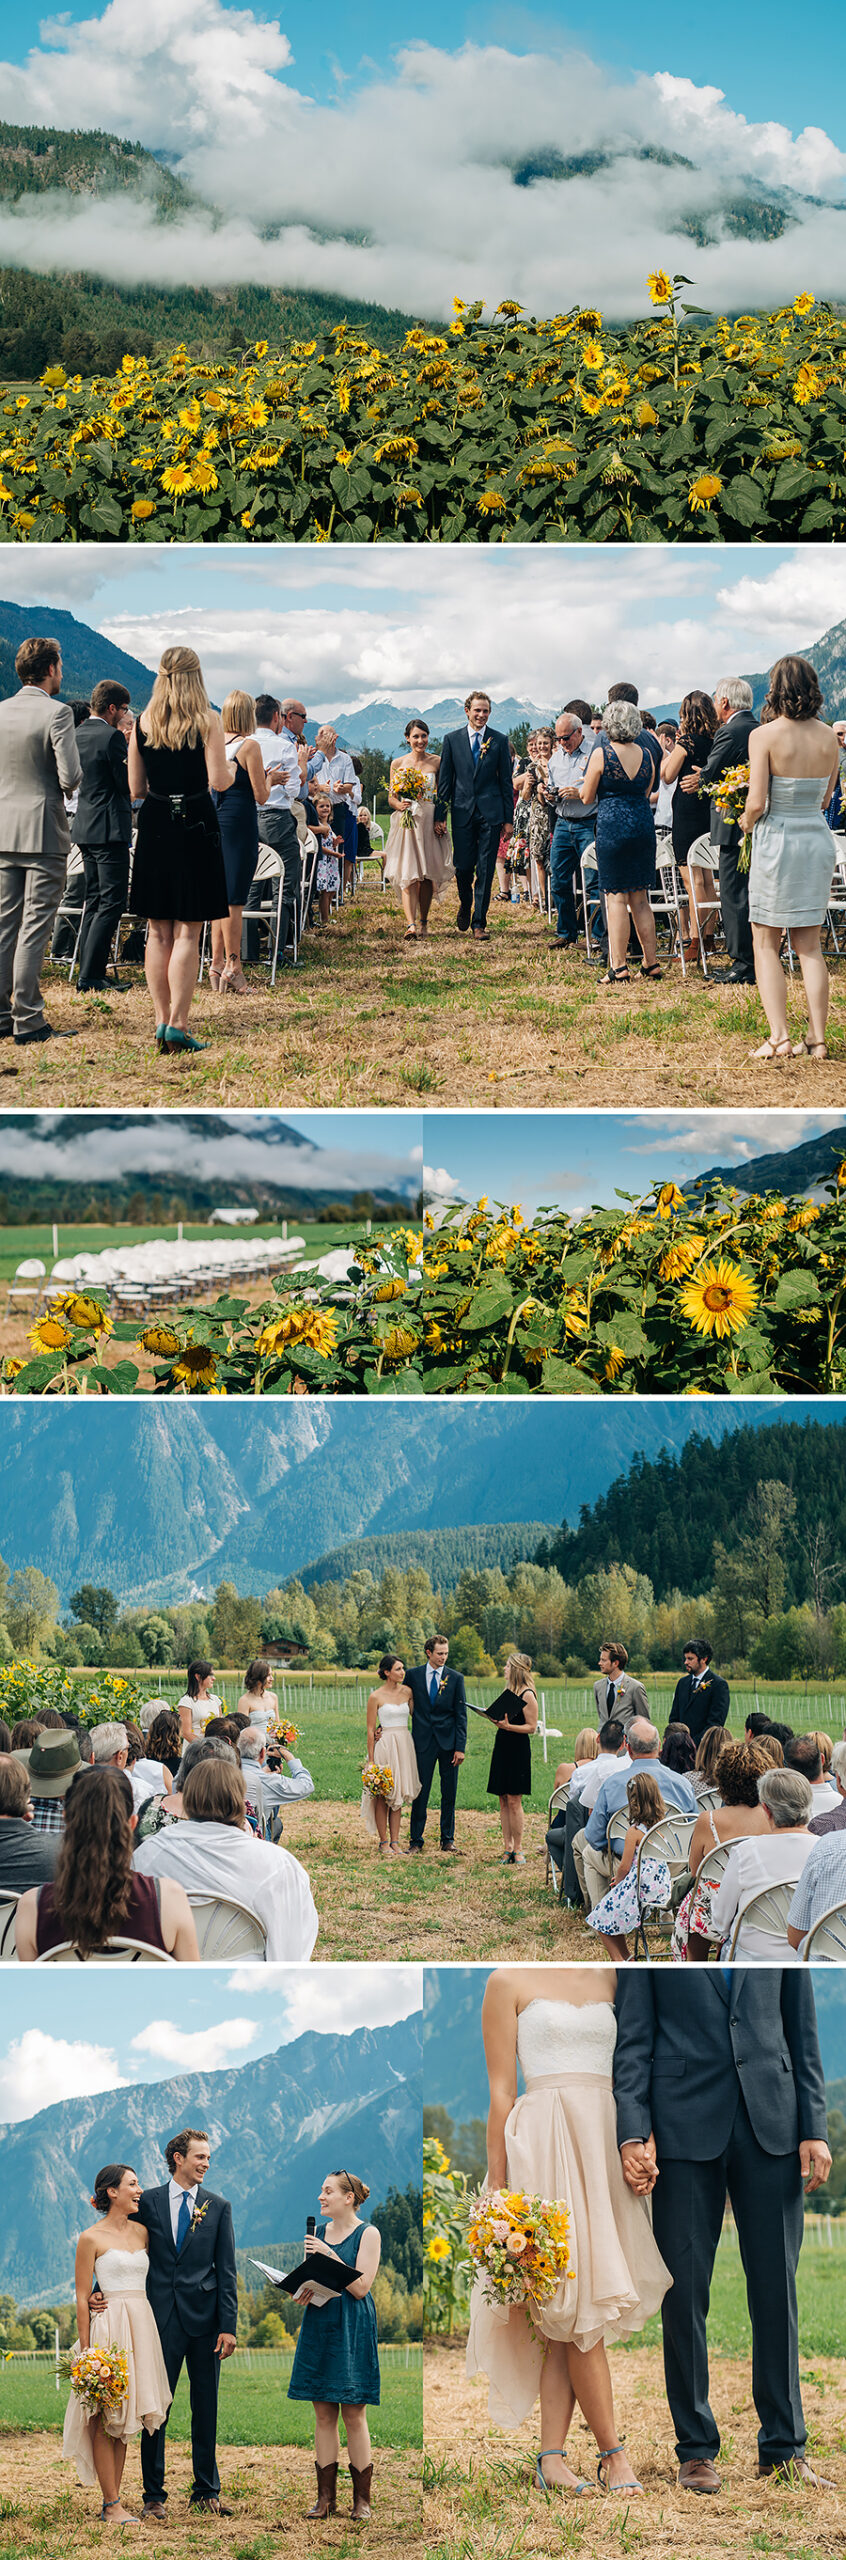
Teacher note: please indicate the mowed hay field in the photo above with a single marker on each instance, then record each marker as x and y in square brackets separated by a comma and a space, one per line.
[368, 1019]
[479, 2499]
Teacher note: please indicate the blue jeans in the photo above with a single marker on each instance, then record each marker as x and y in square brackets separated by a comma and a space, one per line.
[570, 839]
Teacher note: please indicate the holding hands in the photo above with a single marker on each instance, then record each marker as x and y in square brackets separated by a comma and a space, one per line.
[640, 2166]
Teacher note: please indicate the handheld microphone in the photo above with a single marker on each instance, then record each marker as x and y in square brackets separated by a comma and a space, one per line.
[310, 2227]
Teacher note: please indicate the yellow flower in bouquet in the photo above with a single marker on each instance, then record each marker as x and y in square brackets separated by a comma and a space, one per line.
[520, 2245]
[411, 786]
[378, 1782]
[99, 2377]
[287, 1732]
[729, 796]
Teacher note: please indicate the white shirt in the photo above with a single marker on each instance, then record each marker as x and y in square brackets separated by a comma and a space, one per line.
[334, 769]
[175, 2195]
[146, 1778]
[765, 1858]
[474, 734]
[595, 1771]
[825, 1795]
[280, 748]
[664, 804]
[216, 1858]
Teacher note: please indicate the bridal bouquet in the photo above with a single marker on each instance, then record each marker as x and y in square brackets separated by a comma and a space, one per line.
[99, 2377]
[285, 1731]
[378, 1782]
[412, 787]
[520, 2245]
[729, 796]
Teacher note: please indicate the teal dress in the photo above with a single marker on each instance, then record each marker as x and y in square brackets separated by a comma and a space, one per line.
[337, 2356]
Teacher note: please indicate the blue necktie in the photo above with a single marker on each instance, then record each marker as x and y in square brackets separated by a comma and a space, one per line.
[433, 1682]
[183, 2224]
[476, 746]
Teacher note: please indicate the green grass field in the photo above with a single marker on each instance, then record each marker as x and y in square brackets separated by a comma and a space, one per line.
[25, 1244]
[820, 2286]
[254, 2408]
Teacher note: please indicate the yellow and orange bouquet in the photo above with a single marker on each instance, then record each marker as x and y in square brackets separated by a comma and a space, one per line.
[520, 2245]
[411, 787]
[285, 1731]
[378, 1782]
[729, 796]
[99, 2377]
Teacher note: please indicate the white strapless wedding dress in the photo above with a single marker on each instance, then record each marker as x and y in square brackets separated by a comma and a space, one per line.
[395, 1751]
[561, 2144]
[126, 2321]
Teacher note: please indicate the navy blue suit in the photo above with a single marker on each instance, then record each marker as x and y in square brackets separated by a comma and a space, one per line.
[193, 2295]
[727, 2075]
[480, 799]
[438, 1728]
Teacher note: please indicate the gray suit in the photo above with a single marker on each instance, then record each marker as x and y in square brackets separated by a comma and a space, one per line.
[38, 764]
[631, 1700]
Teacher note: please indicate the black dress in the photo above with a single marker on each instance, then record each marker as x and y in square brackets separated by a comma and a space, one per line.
[691, 810]
[238, 820]
[510, 1772]
[178, 869]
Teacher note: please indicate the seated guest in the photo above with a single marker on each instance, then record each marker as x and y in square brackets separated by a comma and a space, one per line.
[826, 1743]
[703, 1775]
[212, 1852]
[822, 1823]
[5, 1736]
[27, 1857]
[94, 1894]
[615, 1692]
[739, 1815]
[24, 1734]
[775, 1857]
[769, 1744]
[111, 1749]
[821, 1886]
[590, 1850]
[609, 1751]
[53, 1763]
[633, 1891]
[678, 1750]
[804, 1753]
[702, 1697]
[572, 1773]
[270, 1787]
[148, 1776]
[758, 1723]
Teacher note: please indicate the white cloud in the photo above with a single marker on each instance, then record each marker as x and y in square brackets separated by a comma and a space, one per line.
[724, 1135]
[439, 211]
[140, 1146]
[204, 2049]
[38, 2070]
[335, 1999]
[439, 1186]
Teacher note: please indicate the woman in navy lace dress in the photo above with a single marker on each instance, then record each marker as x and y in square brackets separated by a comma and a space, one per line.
[620, 776]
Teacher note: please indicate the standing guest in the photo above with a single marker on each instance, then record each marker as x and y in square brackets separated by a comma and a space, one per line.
[199, 1703]
[515, 1715]
[336, 2361]
[616, 1692]
[330, 855]
[94, 1894]
[27, 1857]
[730, 745]
[701, 1696]
[334, 771]
[821, 1887]
[475, 784]
[389, 1746]
[414, 854]
[102, 828]
[794, 764]
[39, 763]
[177, 758]
[575, 826]
[620, 778]
[690, 816]
[439, 1735]
[238, 818]
[278, 733]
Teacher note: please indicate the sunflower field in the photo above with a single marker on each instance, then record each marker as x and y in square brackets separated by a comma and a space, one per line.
[703, 1293]
[447, 2271]
[93, 1697]
[680, 426]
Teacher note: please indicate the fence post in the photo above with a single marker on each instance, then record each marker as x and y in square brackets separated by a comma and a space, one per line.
[58, 2372]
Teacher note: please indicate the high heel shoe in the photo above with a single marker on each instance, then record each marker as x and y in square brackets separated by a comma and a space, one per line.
[555, 2487]
[175, 1041]
[161, 1036]
[619, 2489]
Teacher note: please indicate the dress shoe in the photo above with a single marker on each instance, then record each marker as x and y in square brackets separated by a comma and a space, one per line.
[796, 2469]
[413, 1849]
[462, 921]
[154, 2507]
[25, 1039]
[7, 1031]
[448, 1849]
[209, 2507]
[702, 2477]
[480, 933]
[733, 978]
[105, 987]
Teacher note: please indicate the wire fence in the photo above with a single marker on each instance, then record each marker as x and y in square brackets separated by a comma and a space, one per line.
[802, 1707]
[405, 2355]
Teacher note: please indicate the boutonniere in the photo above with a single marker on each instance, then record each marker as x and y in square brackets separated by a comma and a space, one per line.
[486, 742]
[198, 2215]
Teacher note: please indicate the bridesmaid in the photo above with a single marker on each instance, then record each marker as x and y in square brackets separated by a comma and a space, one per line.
[794, 761]
[336, 2364]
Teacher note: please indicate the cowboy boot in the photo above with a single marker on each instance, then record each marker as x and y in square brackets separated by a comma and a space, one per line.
[327, 2484]
[361, 2493]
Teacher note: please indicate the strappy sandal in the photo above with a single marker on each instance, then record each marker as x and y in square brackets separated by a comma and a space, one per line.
[653, 971]
[214, 980]
[620, 2488]
[810, 1049]
[770, 1052]
[616, 978]
[232, 982]
[556, 2488]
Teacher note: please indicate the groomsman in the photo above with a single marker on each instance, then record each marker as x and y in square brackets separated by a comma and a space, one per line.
[475, 784]
[702, 1697]
[615, 1692]
[102, 828]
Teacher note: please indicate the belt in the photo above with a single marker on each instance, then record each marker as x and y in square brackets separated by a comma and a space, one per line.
[564, 2080]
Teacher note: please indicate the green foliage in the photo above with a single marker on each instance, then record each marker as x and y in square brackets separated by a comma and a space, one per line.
[26, 1687]
[668, 1516]
[446, 2267]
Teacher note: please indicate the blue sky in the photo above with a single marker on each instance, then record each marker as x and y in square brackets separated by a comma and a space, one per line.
[358, 624]
[581, 1159]
[766, 72]
[208, 2019]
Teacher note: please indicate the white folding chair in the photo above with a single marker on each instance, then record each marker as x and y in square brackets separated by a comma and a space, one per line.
[826, 1941]
[591, 900]
[227, 1929]
[768, 1912]
[703, 856]
[837, 901]
[556, 1803]
[711, 1871]
[670, 1841]
[115, 1951]
[664, 901]
[8, 1907]
[27, 1286]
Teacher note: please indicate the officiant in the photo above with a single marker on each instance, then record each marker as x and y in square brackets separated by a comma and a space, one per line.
[336, 2364]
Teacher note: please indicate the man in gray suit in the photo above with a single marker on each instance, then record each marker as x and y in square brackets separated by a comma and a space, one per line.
[720, 2093]
[38, 764]
[615, 1692]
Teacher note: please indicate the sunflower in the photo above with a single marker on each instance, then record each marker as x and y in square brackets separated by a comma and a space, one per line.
[659, 288]
[142, 508]
[803, 304]
[616, 1361]
[12, 1369]
[398, 1342]
[680, 1258]
[49, 1334]
[720, 1300]
[392, 1289]
[669, 1198]
[703, 490]
[195, 1367]
[85, 1312]
[176, 479]
[160, 1340]
[491, 503]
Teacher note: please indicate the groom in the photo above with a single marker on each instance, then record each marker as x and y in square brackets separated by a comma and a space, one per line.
[439, 1736]
[475, 784]
[192, 2290]
[720, 2093]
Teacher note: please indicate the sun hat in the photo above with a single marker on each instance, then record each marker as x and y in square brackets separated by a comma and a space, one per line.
[53, 1762]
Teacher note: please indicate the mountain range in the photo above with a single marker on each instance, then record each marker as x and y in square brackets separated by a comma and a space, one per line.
[453, 2054]
[802, 1168]
[86, 656]
[244, 1159]
[276, 2126]
[163, 1502]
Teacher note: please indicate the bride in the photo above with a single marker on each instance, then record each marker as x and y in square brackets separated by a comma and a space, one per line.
[389, 1743]
[114, 2250]
[414, 854]
[559, 2141]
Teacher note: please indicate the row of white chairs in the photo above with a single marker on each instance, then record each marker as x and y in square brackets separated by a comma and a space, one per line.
[226, 1931]
[669, 1840]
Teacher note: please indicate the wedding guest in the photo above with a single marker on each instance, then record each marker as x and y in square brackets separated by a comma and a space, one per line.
[39, 763]
[54, 1759]
[389, 1746]
[279, 735]
[821, 1886]
[794, 763]
[237, 811]
[515, 1714]
[616, 1692]
[336, 2362]
[27, 1857]
[534, 814]
[590, 1851]
[703, 1775]
[575, 826]
[701, 1697]
[678, 1750]
[618, 781]
[730, 746]
[270, 1788]
[328, 874]
[164, 1742]
[823, 1823]
[177, 758]
[334, 771]
[690, 817]
[102, 828]
[803, 1753]
[776, 1857]
[199, 1703]
[415, 857]
[24, 1733]
[94, 1896]
[609, 1752]
[739, 1815]
[640, 1883]
[211, 1851]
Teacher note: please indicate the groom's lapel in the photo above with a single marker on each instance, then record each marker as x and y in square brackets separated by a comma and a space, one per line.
[724, 1989]
[161, 2196]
